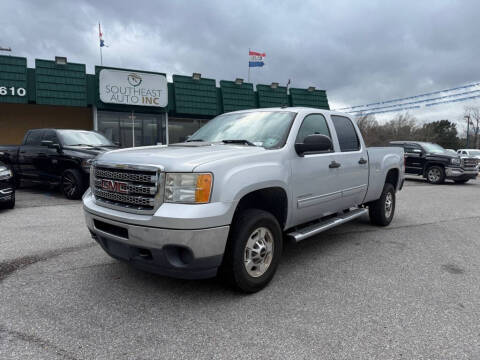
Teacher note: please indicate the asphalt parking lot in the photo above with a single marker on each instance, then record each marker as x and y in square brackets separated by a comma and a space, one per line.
[409, 291]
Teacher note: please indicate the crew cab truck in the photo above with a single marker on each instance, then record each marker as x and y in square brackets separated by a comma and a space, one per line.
[436, 164]
[56, 157]
[223, 201]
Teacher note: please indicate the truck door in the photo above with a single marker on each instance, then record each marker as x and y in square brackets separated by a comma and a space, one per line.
[28, 155]
[353, 160]
[414, 160]
[47, 160]
[315, 185]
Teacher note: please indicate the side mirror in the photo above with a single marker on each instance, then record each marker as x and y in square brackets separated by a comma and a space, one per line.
[314, 143]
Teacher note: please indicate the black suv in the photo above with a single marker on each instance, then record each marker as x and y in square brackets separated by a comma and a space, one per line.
[7, 190]
[435, 163]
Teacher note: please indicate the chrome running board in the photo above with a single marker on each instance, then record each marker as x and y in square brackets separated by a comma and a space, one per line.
[311, 230]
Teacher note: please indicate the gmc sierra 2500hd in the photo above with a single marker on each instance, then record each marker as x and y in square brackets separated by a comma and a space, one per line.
[223, 200]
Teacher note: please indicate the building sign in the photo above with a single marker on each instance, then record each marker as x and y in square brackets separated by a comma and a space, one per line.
[12, 91]
[133, 88]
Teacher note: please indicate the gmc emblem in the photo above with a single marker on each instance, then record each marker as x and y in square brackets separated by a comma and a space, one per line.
[115, 186]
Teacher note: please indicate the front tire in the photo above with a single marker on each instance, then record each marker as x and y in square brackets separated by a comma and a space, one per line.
[72, 184]
[254, 249]
[435, 175]
[9, 204]
[381, 211]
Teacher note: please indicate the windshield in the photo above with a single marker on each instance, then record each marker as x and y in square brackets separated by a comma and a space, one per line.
[474, 152]
[79, 137]
[261, 128]
[433, 148]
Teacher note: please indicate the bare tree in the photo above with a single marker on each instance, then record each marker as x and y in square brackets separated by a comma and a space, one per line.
[473, 114]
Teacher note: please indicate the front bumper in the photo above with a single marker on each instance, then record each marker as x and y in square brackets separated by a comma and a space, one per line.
[456, 173]
[180, 253]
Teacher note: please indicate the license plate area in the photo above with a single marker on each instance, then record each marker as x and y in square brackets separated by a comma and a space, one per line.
[111, 229]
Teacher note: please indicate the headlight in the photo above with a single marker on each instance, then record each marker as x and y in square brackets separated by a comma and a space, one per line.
[188, 188]
[86, 164]
[5, 173]
[455, 161]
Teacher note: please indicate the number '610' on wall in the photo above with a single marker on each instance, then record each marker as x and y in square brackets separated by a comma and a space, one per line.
[12, 91]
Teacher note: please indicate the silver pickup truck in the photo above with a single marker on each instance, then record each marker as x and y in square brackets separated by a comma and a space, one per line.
[224, 201]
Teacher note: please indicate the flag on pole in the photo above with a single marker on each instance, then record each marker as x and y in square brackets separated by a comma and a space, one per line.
[256, 59]
[100, 36]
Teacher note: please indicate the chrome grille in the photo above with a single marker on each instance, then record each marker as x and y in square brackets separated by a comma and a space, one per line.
[469, 162]
[133, 200]
[130, 188]
[124, 175]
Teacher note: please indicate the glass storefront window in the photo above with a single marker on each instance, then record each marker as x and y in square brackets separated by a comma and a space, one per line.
[180, 129]
[148, 129]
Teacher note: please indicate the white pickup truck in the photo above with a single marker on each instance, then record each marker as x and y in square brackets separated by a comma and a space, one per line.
[225, 200]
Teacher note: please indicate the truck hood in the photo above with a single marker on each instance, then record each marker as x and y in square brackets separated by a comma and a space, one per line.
[179, 157]
[87, 150]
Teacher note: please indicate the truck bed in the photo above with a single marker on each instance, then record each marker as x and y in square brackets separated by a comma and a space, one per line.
[380, 159]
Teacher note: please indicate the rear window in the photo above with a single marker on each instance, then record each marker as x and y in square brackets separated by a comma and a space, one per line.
[34, 138]
[347, 136]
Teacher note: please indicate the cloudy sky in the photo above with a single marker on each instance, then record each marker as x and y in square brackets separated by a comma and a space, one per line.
[359, 51]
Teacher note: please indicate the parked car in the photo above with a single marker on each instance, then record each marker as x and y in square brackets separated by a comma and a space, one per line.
[7, 188]
[469, 153]
[55, 156]
[435, 163]
[224, 200]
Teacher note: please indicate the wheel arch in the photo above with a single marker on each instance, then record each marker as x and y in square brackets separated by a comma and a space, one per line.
[430, 164]
[273, 199]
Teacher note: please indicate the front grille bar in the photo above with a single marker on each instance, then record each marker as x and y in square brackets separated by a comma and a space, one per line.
[125, 175]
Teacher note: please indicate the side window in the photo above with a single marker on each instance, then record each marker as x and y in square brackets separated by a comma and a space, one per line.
[347, 136]
[34, 138]
[313, 124]
[50, 135]
[412, 149]
[464, 152]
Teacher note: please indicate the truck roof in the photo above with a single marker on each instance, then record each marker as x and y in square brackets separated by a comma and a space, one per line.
[297, 109]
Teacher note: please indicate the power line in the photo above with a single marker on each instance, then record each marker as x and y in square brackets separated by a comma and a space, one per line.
[416, 102]
[411, 97]
[416, 107]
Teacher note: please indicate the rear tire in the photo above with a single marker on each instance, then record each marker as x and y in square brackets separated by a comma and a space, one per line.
[381, 211]
[435, 175]
[253, 252]
[72, 184]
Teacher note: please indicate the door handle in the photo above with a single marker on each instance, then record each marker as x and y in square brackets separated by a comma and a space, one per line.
[334, 165]
[362, 161]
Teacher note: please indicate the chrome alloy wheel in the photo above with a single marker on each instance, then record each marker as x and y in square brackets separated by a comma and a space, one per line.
[388, 204]
[69, 184]
[434, 175]
[258, 252]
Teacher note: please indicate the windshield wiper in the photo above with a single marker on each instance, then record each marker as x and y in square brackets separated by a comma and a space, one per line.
[239, 141]
[89, 145]
[192, 140]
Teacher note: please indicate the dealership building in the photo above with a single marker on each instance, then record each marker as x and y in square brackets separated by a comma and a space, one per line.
[131, 107]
